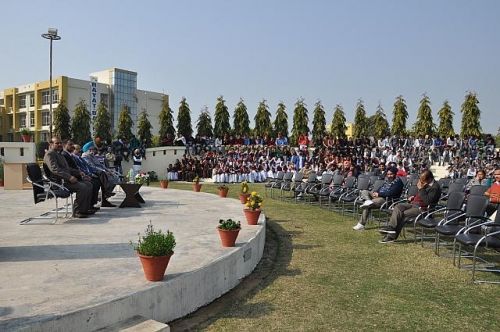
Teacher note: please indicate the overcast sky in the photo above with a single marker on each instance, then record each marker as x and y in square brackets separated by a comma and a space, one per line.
[333, 51]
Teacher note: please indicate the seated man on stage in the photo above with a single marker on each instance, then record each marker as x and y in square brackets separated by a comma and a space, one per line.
[390, 190]
[98, 178]
[427, 196]
[98, 167]
[73, 179]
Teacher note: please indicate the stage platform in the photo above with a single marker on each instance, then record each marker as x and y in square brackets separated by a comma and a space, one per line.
[83, 275]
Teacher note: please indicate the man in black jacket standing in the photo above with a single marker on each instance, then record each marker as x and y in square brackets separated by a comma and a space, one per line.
[427, 196]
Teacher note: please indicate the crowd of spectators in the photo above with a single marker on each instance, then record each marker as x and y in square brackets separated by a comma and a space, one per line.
[235, 159]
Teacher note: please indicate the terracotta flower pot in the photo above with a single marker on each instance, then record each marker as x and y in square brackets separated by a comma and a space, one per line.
[228, 237]
[154, 266]
[243, 198]
[223, 192]
[252, 216]
[164, 184]
[26, 138]
[1, 183]
[196, 187]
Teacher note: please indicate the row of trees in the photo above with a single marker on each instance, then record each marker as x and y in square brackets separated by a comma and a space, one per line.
[78, 127]
[376, 125]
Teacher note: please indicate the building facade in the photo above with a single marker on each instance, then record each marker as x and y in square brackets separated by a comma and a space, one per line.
[28, 106]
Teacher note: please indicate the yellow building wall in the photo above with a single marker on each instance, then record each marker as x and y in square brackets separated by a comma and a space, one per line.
[11, 101]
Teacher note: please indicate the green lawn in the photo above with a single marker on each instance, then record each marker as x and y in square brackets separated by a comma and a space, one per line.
[329, 277]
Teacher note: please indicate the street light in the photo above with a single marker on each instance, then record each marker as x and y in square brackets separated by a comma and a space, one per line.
[51, 35]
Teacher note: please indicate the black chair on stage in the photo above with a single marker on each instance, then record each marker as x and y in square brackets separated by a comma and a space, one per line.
[44, 189]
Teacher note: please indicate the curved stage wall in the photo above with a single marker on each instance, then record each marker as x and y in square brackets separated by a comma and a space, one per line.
[200, 270]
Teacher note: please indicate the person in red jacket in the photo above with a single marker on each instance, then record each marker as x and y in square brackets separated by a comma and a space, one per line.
[303, 141]
[493, 193]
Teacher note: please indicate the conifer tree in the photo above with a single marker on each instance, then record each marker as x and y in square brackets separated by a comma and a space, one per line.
[241, 120]
[424, 125]
[102, 123]
[144, 129]
[300, 121]
[471, 114]
[445, 114]
[166, 119]
[370, 125]
[400, 115]
[125, 124]
[81, 123]
[338, 126]
[380, 124]
[204, 125]
[184, 119]
[263, 120]
[62, 121]
[281, 120]
[319, 123]
[360, 128]
[221, 119]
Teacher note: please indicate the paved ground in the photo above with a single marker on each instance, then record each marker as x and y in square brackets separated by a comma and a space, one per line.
[46, 270]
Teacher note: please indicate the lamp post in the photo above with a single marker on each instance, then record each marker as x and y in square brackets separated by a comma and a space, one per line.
[51, 35]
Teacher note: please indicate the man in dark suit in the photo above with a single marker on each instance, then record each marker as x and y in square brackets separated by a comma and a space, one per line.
[60, 170]
[97, 178]
[427, 196]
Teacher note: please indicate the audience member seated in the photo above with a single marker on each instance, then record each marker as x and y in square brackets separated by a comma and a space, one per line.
[427, 196]
[390, 190]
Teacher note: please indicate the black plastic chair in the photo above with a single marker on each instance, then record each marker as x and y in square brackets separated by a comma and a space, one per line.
[474, 211]
[43, 190]
[477, 190]
[453, 208]
[485, 235]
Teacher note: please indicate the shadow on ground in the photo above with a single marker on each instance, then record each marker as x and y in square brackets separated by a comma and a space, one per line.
[274, 263]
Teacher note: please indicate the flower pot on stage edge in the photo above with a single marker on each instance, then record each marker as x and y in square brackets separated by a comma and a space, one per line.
[243, 198]
[164, 184]
[253, 204]
[223, 190]
[154, 266]
[196, 184]
[252, 216]
[154, 250]
[228, 232]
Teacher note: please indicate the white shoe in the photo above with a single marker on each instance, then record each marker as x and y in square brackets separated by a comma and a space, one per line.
[359, 227]
[366, 204]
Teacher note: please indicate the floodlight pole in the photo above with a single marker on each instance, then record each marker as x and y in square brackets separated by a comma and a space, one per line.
[51, 35]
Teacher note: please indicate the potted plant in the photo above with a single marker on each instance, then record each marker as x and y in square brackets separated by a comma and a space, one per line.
[142, 178]
[228, 231]
[164, 184]
[25, 135]
[196, 184]
[223, 190]
[252, 210]
[244, 192]
[154, 250]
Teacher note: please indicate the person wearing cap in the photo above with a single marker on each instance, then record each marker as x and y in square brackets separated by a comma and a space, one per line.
[390, 190]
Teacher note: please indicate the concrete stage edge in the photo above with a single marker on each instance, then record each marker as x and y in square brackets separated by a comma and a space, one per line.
[81, 275]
